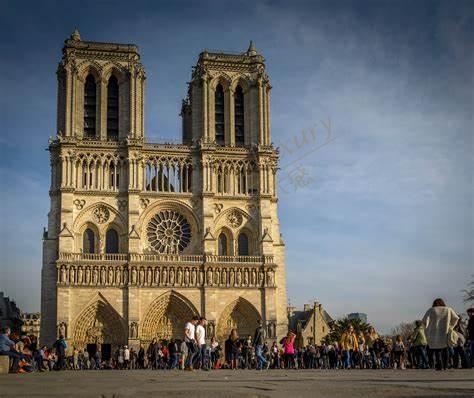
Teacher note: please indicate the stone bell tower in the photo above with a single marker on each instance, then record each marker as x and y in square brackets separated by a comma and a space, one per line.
[100, 91]
[227, 116]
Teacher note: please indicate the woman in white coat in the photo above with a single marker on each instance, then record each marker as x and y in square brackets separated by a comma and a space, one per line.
[439, 321]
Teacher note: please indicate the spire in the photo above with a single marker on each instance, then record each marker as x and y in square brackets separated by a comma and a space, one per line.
[251, 51]
[75, 35]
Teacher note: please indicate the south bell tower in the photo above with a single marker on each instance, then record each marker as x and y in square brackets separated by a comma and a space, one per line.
[141, 236]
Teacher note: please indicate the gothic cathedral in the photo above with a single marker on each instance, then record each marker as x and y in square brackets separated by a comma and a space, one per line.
[143, 236]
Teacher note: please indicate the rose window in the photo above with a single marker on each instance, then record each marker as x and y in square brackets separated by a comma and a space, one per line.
[168, 232]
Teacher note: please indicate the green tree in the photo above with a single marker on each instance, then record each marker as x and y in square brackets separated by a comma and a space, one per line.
[341, 325]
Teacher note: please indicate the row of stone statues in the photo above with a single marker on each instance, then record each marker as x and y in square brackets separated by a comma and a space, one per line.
[90, 275]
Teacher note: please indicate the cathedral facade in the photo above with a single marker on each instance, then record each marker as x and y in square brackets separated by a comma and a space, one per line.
[142, 236]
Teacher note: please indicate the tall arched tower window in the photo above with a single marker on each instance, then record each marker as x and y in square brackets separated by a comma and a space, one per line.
[112, 108]
[219, 115]
[111, 241]
[90, 101]
[222, 248]
[243, 244]
[239, 116]
[88, 241]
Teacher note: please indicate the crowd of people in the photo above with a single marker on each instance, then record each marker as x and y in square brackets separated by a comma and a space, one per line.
[439, 341]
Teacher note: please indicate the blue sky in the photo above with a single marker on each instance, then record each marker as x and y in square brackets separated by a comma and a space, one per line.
[378, 220]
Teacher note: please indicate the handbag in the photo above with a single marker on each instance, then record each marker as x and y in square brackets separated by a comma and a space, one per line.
[452, 338]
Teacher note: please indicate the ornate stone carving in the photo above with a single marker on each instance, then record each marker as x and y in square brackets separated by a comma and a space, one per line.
[133, 330]
[101, 214]
[218, 207]
[234, 219]
[79, 203]
[157, 275]
[168, 232]
[144, 202]
[122, 204]
[62, 330]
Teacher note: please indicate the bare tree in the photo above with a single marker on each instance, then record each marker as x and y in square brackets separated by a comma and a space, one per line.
[469, 292]
[405, 329]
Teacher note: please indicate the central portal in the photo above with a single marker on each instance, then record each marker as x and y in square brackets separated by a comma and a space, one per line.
[166, 317]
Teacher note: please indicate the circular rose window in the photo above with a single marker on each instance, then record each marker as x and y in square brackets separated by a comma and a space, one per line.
[168, 232]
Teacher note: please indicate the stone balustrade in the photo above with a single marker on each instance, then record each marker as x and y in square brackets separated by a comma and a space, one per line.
[221, 276]
[163, 258]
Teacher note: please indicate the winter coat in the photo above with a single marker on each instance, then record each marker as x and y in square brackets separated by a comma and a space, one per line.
[438, 321]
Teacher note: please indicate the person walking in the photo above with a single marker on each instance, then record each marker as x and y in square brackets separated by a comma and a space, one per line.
[126, 357]
[419, 342]
[288, 344]
[439, 322]
[60, 346]
[349, 344]
[259, 342]
[173, 354]
[201, 343]
[189, 338]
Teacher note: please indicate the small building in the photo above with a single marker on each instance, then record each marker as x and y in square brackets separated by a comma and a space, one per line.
[357, 315]
[31, 323]
[10, 315]
[310, 325]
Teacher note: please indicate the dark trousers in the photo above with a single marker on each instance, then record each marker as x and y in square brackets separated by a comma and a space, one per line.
[203, 357]
[421, 357]
[191, 354]
[173, 361]
[14, 359]
[439, 358]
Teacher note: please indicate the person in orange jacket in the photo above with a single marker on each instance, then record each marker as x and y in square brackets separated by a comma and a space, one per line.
[349, 344]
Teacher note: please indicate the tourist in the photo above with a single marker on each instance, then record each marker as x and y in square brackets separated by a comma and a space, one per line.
[52, 358]
[200, 335]
[439, 322]
[173, 354]
[232, 349]
[60, 345]
[288, 344]
[349, 344]
[247, 348]
[370, 339]
[215, 353]
[419, 342]
[460, 358]
[7, 347]
[120, 359]
[398, 353]
[258, 342]
[152, 353]
[470, 334]
[275, 355]
[189, 338]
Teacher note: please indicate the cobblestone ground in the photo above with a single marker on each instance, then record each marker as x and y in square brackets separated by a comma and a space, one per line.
[272, 383]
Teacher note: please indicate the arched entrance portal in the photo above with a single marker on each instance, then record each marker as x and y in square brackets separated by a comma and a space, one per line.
[99, 327]
[166, 317]
[241, 315]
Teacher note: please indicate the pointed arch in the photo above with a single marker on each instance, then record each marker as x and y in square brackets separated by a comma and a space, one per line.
[224, 242]
[239, 120]
[90, 106]
[239, 314]
[166, 316]
[99, 323]
[112, 108]
[219, 114]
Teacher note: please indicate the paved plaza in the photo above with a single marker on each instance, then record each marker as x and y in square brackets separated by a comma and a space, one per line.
[303, 383]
